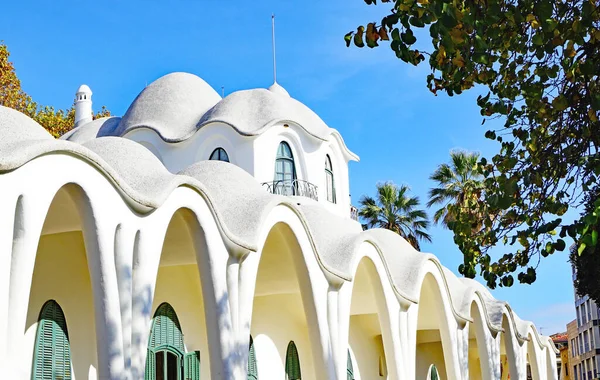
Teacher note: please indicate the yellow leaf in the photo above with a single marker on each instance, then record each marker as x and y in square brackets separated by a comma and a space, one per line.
[458, 61]
[592, 115]
[456, 35]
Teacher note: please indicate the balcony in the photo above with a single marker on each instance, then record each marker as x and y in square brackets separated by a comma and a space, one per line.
[353, 213]
[293, 188]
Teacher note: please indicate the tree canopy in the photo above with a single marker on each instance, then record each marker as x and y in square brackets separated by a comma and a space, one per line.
[57, 122]
[459, 187]
[587, 264]
[537, 62]
[394, 209]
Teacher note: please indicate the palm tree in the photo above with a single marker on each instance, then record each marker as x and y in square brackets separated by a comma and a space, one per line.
[459, 186]
[395, 210]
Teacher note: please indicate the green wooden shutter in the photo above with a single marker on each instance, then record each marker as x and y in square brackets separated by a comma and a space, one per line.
[252, 369]
[349, 368]
[166, 329]
[434, 373]
[52, 355]
[292, 363]
[150, 365]
[192, 366]
[166, 332]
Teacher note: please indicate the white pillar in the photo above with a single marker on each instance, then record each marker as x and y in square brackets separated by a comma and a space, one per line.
[462, 335]
[125, 241]
[8, 206]
[29, 218]
[146, 258]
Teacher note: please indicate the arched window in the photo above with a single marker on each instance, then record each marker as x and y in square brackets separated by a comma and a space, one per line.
[329, 183]
[349, 368]
[219, 154]
[166, 358]
[285, 171]
[433, 373]
[292, 363]
[52, 355]
[252, 368]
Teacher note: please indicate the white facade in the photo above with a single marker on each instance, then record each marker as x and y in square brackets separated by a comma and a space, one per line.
[111, 230]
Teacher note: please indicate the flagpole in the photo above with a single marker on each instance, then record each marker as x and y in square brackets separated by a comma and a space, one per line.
[273, 41]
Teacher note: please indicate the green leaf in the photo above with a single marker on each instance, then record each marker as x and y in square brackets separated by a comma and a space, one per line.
[408, 37]
[348, 38]
[581, 248]
[560, 103]
[538, 39]
[560, 245]
[358, 37]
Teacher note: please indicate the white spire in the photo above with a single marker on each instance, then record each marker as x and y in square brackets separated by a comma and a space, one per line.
[274, 60]
[83, 105]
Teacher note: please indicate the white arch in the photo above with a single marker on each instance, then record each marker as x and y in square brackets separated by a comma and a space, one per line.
[448, 325]
[38, 185]
[388, 311]
[313, 286]
[211, 257]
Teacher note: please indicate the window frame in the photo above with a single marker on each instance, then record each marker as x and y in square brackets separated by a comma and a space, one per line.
[329, 175]
[219, 152]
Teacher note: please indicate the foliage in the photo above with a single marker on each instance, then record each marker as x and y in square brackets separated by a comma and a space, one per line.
[57, 122]
[459, 187]
[587, 262]
[395, 210]
[539, 61]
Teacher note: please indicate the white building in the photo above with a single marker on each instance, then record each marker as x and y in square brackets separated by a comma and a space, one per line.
[584, 337]
[127, 253]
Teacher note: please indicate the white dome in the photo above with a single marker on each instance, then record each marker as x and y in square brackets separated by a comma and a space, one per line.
[171, 106]
[277, 89]
[84, 89]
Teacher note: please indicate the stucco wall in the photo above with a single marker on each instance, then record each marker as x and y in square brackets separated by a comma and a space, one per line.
[367, 346]
[180, 287]
[428, 354]
[61, 273]
[474, 361]
[276, 320]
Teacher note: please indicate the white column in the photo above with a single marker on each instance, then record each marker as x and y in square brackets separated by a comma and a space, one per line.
[462, 335]
[29, 218]
[213, 263]
[125, 241]
[8, 205]
[99, 237]
[410, 318]
[146, 257]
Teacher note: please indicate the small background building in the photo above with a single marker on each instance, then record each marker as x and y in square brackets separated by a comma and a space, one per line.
[584, 338]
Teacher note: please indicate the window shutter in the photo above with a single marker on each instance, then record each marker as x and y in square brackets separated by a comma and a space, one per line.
[349, 368]
[434, 373]
[252, 368]
[166, 329]
[150, 365]
[292, 362]
[192, 365]
[52, 356]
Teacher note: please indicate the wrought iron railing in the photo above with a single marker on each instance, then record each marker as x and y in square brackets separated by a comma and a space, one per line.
[296, 187]
[354, 213]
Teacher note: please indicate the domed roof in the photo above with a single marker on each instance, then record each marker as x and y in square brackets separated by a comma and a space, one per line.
[252, 111]
[84, 89]
[171, 106]
[104, 126]
[277, 89]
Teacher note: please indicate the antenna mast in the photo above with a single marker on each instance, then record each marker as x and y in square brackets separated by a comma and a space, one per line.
[273, 41]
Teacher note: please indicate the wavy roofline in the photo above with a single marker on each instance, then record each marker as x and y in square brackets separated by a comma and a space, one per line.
[19, 149]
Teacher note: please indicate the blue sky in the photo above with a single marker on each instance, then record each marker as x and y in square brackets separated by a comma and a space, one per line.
[379, 104]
